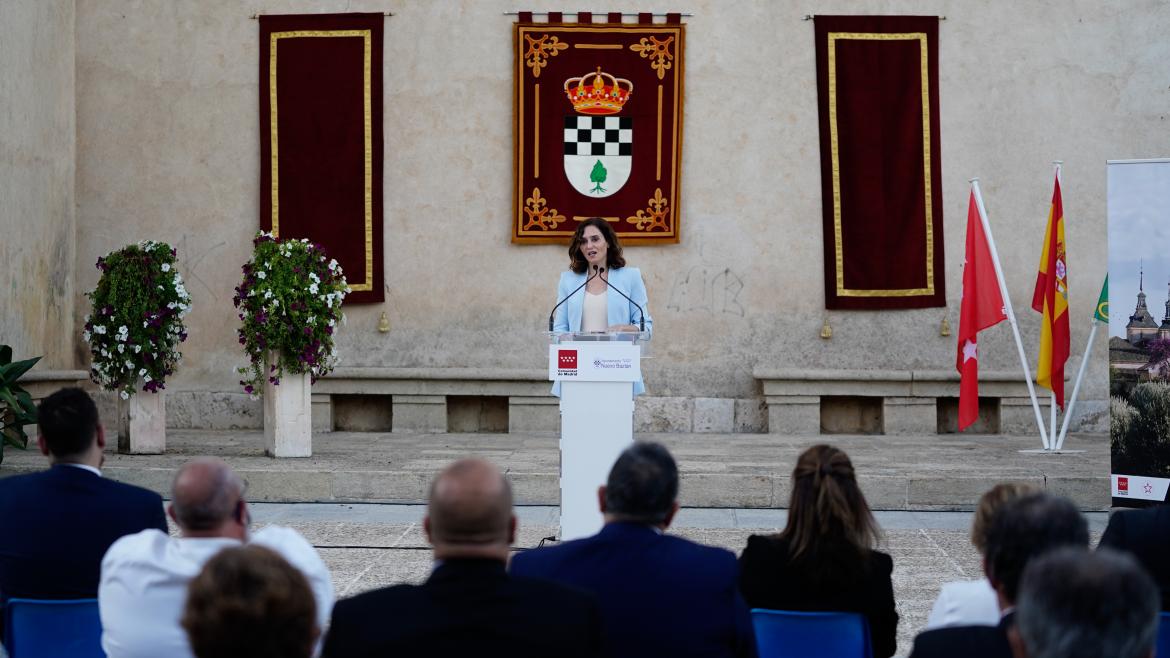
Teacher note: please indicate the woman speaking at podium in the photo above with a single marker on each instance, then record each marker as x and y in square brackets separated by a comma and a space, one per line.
[599, 293]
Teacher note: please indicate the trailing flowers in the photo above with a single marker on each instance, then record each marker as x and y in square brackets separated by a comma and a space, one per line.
[289, 305]
[136, 323]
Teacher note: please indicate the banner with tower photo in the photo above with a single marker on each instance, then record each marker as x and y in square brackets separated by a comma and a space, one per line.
[1139, 339]
[598, 127]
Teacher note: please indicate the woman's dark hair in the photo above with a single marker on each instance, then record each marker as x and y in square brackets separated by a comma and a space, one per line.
[827, 508]
[613, 254]
[249, 601]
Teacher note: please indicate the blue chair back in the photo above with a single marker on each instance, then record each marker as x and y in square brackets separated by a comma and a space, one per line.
[41, 628]
[1162, 646]
[785, 634]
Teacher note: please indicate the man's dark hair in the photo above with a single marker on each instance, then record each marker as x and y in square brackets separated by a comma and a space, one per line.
[68, 419]
[1076, 604]
[642, 484]
[1027, 528]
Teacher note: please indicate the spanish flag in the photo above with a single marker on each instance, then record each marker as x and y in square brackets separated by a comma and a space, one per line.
[1051, 299]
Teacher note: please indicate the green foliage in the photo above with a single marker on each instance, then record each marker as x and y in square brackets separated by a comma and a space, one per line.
[1139, 430]
[136, 323]
[290, 304]
[16, 405]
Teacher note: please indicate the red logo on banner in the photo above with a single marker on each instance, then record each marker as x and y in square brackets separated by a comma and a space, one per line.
[1122, 485]
[567, 359]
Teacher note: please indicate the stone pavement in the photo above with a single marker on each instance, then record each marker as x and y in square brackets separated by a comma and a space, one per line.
[369, 546]
[928, 472]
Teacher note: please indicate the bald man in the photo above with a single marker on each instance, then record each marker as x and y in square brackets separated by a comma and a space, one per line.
[144, 577]
[469, 605]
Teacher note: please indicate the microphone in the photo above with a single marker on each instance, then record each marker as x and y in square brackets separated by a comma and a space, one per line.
[642, 319]
[596, 273]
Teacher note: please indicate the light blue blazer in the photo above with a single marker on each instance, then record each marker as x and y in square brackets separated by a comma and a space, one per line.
[620, 311]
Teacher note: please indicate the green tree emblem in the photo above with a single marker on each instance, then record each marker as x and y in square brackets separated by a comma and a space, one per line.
[598, 176]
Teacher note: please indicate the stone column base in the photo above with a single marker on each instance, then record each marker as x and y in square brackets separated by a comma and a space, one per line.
[420, 413]
[794, 414]
[902, 415]
[534, 414]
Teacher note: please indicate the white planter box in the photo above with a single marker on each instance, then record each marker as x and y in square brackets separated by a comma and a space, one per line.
[288, 424]
[144, 424]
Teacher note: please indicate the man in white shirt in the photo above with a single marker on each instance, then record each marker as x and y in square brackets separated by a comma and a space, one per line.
[144, 576]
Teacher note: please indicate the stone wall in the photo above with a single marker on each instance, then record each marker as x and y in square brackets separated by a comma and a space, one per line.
[167, 148]
[37, 144]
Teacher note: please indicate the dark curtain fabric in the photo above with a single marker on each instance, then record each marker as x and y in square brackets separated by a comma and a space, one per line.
[321, 139]
[877, 88]
[637, 186]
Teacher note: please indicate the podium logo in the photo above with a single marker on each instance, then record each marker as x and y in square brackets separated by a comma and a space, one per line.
[567, 359]
[1123, 486]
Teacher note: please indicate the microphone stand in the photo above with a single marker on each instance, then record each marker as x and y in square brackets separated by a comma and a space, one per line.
[596, 273]
[642, 318]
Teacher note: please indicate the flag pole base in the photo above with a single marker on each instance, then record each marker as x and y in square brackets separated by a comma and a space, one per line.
[1042, 451]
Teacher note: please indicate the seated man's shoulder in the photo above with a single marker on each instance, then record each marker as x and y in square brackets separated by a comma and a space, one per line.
[955, 641]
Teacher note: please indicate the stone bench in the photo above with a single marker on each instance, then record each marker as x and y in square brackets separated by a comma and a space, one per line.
[42, 383]
[420, 397]
[909, 399]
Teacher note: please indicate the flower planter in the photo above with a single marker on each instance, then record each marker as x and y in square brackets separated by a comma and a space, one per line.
[143, 429]
[288, 423]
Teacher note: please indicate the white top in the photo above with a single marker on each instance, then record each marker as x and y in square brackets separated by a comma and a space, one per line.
[595, 312]
[144, 580]
[965, 603]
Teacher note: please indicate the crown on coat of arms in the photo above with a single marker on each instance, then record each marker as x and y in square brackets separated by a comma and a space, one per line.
[598, 93]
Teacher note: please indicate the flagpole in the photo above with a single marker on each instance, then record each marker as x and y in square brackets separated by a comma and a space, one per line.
[1077, 386]
[1007, 306]
[1052, 391]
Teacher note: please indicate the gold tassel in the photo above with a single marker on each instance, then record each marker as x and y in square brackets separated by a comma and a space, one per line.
[826, 330]
[383, 323]
[945, 329]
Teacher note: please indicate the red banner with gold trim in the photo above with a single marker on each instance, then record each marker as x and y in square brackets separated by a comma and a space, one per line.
[881, 178]
[321, 139]
[598, 128]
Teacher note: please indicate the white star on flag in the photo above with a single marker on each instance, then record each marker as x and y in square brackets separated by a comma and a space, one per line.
[970, 351]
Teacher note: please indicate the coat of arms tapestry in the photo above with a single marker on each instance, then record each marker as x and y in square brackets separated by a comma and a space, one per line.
[321, 139]
[881, 178]
[598, 127]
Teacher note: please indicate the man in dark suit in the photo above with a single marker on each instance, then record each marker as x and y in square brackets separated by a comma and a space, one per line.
[469, 605]
[1025, 529]
[1145, 533]
[56, 525]
[660, 595]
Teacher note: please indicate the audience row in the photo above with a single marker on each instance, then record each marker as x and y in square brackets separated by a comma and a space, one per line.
[218, 589]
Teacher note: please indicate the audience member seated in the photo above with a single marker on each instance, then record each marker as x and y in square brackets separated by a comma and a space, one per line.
[56, 525]
[824, 560]
[1075, 604]
[973, 602]
[144, 576]
[1145, 533]
[469, 605]
[1021, 531]
[249, 601]
[660, 595]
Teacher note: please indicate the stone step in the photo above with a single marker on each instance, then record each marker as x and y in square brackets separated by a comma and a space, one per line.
[942, 472]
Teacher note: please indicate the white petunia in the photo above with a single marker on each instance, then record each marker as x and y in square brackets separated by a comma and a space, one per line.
[141, 371]
[99, 329]
[121, 347]
[130, 365]
[261, 274]
[313, 288]
[166, 267]
[125, 395]
[85, 336]
[137, 349]
[146, 378]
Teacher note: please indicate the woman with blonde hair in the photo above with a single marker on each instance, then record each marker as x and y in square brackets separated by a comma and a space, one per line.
[824, 559]
[974, 602]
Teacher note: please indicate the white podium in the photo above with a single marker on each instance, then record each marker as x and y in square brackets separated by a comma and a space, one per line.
[597, 372]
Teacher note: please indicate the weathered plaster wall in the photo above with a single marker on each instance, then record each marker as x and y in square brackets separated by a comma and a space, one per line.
[168, 149]
[36, 180]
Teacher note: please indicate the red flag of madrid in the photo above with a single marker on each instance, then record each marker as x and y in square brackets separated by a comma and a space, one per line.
[980, 306]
